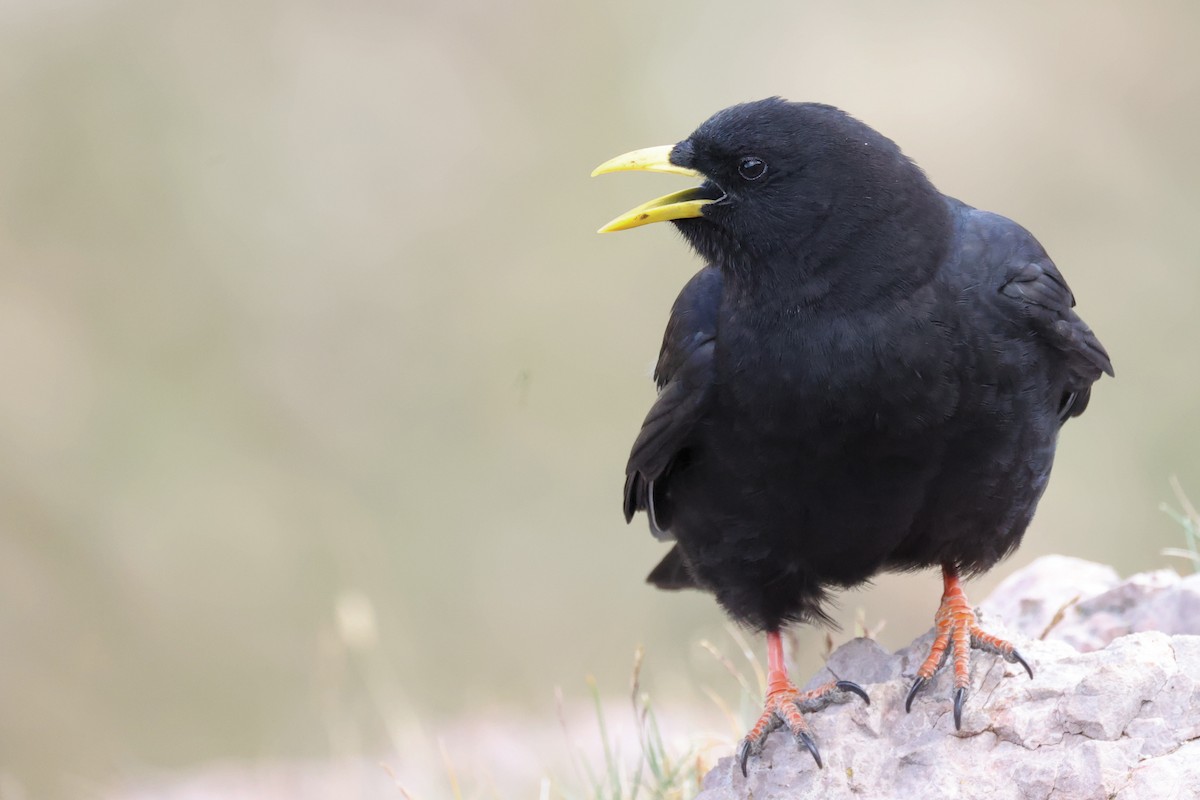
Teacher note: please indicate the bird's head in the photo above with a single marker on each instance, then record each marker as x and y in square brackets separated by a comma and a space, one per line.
[782, 182]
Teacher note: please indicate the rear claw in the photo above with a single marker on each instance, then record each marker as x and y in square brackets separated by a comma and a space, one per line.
[1016, 658]
[854, 688]
[916, 687]
[960, 694]
[744, 756]
[806, 740]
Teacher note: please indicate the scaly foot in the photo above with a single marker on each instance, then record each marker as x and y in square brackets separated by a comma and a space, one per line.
[958, 631]
[785, 705]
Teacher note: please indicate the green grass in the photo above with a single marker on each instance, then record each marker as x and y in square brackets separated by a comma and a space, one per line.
[1188, 519]
[657, 771]
[662, 767]
[649, 765]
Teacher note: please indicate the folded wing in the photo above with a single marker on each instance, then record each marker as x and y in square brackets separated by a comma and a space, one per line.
[684, 375]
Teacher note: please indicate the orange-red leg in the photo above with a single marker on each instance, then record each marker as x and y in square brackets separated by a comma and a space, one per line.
[957, 632]
[785, 703]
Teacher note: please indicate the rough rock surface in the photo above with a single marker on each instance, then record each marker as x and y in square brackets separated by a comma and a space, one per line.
[1113, 710]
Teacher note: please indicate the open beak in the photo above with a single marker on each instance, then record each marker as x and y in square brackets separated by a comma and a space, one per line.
[679, 205]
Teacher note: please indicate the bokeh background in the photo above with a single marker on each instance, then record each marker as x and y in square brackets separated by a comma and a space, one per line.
[317, 385]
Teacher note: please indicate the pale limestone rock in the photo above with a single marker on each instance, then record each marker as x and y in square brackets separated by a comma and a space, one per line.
[1112, 712]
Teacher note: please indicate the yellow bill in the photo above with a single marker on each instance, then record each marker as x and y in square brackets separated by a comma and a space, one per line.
[648, 159]
[679, 205]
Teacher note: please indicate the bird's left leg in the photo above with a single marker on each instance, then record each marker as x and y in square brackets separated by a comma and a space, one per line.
[958, 631]
[785, 703]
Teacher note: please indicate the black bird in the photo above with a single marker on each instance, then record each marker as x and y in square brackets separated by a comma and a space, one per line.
[867, 376]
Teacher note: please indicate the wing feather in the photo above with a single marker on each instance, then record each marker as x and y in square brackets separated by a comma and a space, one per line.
[1047, 301]
[684, 375]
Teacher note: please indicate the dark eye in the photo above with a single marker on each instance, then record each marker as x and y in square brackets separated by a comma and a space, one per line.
[752, 168]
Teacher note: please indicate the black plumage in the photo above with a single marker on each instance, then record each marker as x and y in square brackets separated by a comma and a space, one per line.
[867, 376]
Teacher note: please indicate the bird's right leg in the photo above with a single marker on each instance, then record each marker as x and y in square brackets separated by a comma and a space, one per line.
[784, 705]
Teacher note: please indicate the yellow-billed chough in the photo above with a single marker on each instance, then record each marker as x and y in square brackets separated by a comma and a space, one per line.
[867, 376]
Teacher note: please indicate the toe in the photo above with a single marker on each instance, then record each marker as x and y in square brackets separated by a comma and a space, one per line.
[960, 694]
[744, 756]
[1016, 658]
[854, 688]
[912, 692]
[802, 738]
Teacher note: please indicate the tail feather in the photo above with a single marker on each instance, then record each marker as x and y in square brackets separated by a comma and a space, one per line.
[672, 572]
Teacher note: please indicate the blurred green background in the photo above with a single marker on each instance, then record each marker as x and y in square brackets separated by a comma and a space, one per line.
[302, 309]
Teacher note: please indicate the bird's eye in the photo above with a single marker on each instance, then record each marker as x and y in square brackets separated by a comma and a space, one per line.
[752, 168]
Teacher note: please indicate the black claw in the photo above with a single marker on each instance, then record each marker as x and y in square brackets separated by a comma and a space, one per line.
[851, 686]
[916, 687]
[1017, 658]
[744, 756]
[959, 695]
[806, 740]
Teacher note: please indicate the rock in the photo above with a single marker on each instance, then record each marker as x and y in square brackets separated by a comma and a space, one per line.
[1113, 710]
[1029, 599]
[1087, 606]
